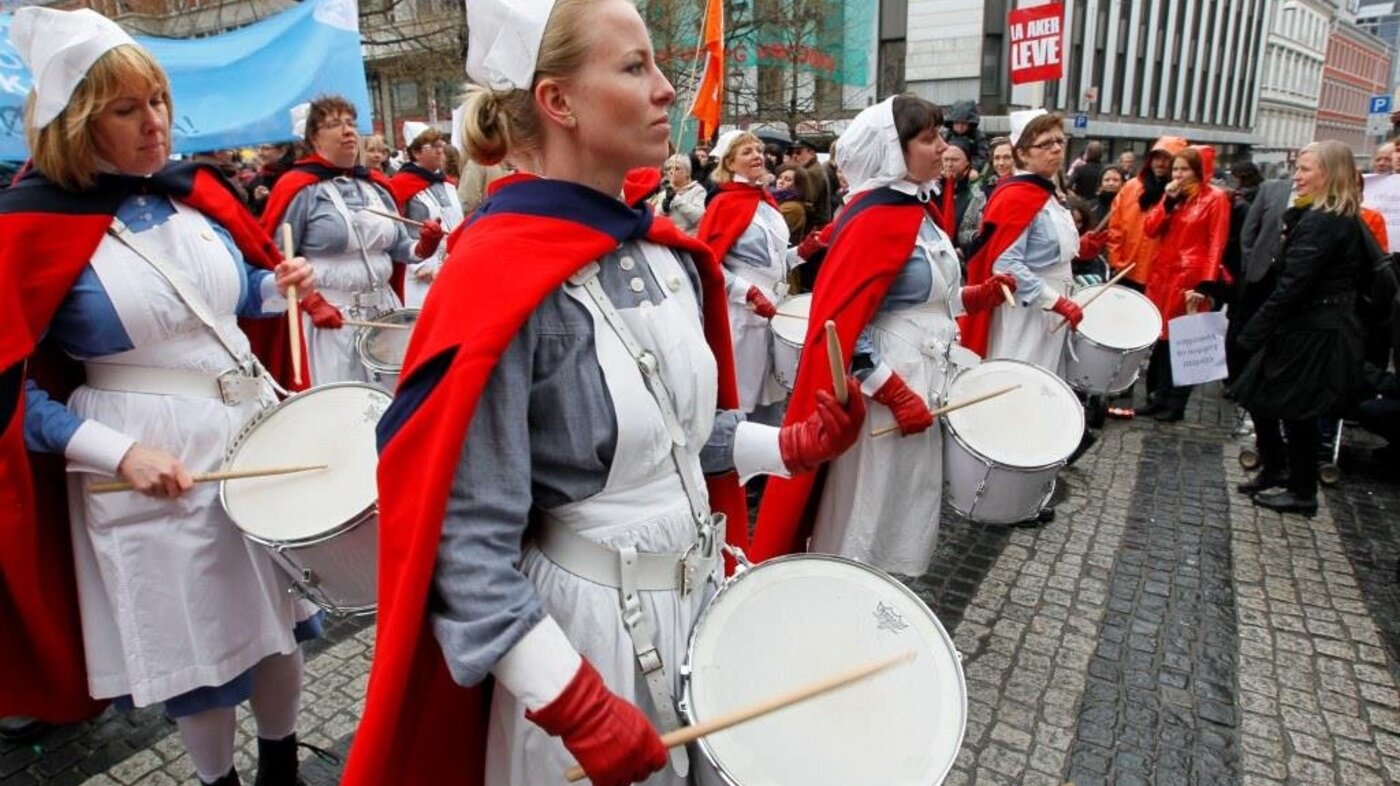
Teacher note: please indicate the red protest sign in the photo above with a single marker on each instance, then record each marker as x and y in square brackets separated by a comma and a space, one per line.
[1037, 43]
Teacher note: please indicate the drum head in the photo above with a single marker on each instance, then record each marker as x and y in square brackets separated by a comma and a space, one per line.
[1035, 426]
[383, 349]
[331, 425]
[793, 329]
[1119, 319]
[795, 620]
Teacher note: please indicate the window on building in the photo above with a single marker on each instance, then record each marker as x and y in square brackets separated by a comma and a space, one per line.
[405, 92]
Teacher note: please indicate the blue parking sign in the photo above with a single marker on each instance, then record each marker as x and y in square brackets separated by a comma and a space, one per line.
[1081, 121]
[1380, 105]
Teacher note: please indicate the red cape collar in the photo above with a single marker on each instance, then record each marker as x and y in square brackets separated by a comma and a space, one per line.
[729, 213]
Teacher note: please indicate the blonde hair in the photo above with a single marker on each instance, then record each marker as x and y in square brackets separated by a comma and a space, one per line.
[65, 150]
[495, 123]
[1341, 195]
[723, 173]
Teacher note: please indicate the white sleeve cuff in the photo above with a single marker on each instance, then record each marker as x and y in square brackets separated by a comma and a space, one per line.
[756, 452]
[955, 303]
[876, 380]
[793, 259]
[98, 447]
[273, 302]
[540, 666]
[1048, 297]
[739, 290]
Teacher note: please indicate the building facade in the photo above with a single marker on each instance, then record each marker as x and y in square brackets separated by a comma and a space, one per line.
[1291, 81]
[1134, 69]
[1357, 67]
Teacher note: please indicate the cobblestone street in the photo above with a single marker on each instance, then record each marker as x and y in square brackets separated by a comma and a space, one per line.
[1161, 630]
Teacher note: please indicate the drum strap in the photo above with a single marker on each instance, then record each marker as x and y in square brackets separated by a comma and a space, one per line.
[633, 616]
[338, 202]
[246, 363]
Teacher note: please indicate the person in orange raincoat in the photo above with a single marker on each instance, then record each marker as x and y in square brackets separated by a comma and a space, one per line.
[1191, 225]
[1127, 242]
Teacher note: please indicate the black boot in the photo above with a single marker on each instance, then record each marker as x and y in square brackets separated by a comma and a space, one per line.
[231, 779]
[1285, 501]
[1266, 479]
[277, 762]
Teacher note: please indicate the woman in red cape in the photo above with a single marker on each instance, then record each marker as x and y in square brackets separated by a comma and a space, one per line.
[891, 284]
[746, 231]
[175, 607]
[568, 400]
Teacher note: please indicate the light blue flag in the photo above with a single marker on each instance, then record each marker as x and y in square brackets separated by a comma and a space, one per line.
[233, 89]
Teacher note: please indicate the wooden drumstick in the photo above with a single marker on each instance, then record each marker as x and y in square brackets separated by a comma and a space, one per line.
[293, 308]
[369, 324]
[791, 314]
[954, 407]
[1006, 291]
[838, 366]
[811, 690]
[394, 217]
[1116, 278]
[108, 487]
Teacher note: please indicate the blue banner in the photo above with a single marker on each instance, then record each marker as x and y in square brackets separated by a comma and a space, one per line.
[233, 89]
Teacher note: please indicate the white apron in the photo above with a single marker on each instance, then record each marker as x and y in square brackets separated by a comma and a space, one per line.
[881, 500]
[172, 596]
[753, 354]
[357, 282]
[415, 289]
[642, 504]
[1023, 333]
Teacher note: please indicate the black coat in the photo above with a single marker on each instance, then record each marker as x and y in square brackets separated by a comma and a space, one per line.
[1305, 339]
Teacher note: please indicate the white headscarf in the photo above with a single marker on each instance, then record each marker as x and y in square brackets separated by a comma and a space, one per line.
[299, 113]
[722, 145]
[869, 153]
[59, 47]
[1019, 120]
[503, 41]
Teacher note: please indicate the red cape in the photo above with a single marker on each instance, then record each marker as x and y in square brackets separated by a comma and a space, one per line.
[729, 214]
[1010, 209]
[309, 171]
[418, 725]
[640, 184]
[47, 238]
[407, 182]
[873, 240]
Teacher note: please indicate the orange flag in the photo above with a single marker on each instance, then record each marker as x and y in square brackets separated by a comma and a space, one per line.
[709, 98]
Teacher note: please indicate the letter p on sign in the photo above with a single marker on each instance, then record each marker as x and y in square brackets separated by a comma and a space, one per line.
[1037, 43]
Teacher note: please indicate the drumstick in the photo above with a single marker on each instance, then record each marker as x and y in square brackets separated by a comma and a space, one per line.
[793, 314]
[838, 366]
[811, 690]
[1010, 301]
[1116, 278]
[954, 407]
[293, 308]
[368, 324]
[394, 217]
[108, 487]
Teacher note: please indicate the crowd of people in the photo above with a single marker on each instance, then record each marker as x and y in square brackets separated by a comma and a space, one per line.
[591, 401]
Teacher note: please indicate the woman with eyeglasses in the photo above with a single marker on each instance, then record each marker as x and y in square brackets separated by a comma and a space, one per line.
[422, 193]
[1028, 233]
[332, 204]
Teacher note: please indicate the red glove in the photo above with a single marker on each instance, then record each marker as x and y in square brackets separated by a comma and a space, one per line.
[1091, 244]
[909, 408]
[612, 740]
[322, 313]
[760, 303]
[428, 238]
[1070, 310]
[826, 433]
[987, 296]
[811, 245]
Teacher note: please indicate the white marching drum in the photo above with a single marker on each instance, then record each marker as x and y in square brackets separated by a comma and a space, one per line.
[321, 527]
[792, 620]
[1000, 457]
[381, 349]
[1116, 335]
[789, 330]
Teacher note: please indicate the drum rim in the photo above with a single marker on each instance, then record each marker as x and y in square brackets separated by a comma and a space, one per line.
[263, 414]
[364, 517]
[362, 337]
[951, 429]
[1135, 294]
[687, 691]
[806, 321]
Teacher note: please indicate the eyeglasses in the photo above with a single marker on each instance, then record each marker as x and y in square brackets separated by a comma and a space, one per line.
[1051, 144]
